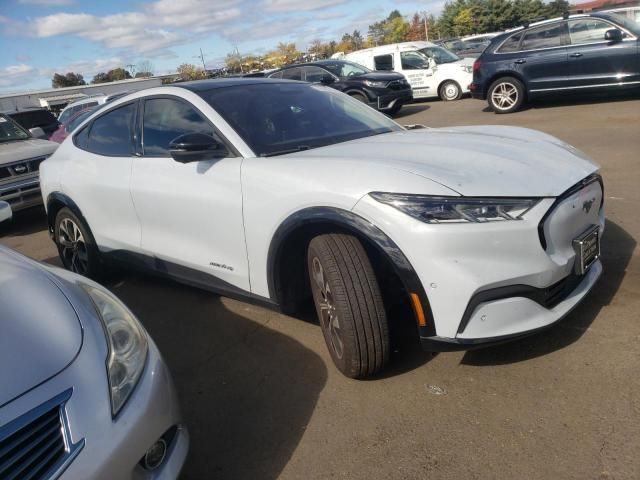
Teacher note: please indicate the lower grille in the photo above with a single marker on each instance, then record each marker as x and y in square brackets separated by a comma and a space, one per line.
[34, 446]
[17, 169]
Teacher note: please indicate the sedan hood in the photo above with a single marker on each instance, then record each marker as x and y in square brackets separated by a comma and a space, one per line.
[24, 149]
[474, 161]
[40, 333]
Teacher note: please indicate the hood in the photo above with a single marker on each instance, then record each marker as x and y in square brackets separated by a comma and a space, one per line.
[463, 61]
[24, 149]
[385, 76]
[40, 331]
[474, 161]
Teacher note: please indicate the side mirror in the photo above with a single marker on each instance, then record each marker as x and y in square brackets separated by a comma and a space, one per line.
[194, 147]
[432, 64]
[37, 132]
[613, 35]
[327, 80]
[5, 212]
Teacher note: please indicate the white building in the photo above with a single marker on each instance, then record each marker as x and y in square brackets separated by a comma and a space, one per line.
[56, 98]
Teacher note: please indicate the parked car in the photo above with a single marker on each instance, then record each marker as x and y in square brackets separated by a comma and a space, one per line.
[384, 91]
[36, 118]
[427, 78]
[20, 159]
[464, 48]
[598, 51]
[87, 102]
[72, 122]
[85, 392]
[277, 191]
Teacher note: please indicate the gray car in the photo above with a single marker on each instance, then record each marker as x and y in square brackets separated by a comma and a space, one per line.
[84, 392]
[20, 157]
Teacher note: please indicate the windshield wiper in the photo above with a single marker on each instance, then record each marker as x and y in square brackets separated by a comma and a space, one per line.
[298, 148]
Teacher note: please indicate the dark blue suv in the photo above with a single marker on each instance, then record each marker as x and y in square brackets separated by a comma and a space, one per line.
[594, 51]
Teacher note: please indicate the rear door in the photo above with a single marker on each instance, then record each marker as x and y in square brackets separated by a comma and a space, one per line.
[594, 61]
[542, 59]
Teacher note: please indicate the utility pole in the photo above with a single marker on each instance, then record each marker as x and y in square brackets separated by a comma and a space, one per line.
[132, 68]
[426, 28]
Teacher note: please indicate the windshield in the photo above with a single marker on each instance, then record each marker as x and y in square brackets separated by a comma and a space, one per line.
[10, 130]
[440, 55]
[346, 69]
[278, 118]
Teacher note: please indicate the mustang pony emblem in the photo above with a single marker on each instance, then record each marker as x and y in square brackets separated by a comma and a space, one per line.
[587, 204]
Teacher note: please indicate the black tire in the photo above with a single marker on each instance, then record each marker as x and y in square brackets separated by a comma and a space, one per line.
[349, 304]
[506, 95]
[360, 97]
[450, 91]
[76, 246]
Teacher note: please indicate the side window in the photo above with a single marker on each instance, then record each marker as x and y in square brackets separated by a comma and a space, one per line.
[165, 119]
[110, 134]
[383, 62]
[292, 74]
[511, 44]
[276, 75]
[588, 30]
[315, 74]
[413, 61]
[546, 37]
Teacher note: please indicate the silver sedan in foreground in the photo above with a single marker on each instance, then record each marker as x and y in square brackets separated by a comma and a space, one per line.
[84, 392]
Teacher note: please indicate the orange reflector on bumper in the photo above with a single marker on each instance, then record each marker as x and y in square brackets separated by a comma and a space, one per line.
[417, 307]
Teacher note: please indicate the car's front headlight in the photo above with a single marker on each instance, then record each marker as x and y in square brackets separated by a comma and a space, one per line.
[467, 68]
[457, 209]
[127, 346]
[376, 83]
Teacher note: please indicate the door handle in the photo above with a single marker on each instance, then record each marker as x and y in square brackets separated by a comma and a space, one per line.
[576, 55]
[520, 61]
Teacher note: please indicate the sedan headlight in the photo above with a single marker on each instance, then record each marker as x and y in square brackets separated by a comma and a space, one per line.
[376, 83]
[467, 68]
[457, 209]
[127, 346]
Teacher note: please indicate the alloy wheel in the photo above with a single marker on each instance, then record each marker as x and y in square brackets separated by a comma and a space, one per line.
[73, 248]
[504, 96]
[328, 313]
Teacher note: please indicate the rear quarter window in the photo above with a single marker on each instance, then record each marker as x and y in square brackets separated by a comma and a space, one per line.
[511, 44]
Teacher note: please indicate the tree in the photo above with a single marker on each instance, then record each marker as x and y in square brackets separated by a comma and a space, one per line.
[397, 30]
[357, 40]
[118, 74]
[557, 8]
[145, 69]
[416, 28]
[187, 71]
[70, 79]
[101, 77]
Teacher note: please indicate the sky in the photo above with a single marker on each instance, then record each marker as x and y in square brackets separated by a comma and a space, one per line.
[40, 37]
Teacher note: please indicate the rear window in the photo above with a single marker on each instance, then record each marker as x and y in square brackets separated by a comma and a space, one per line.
[511, 43]
[36, 118]
[383, 62]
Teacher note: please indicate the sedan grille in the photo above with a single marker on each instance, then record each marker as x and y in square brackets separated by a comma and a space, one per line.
[35, 446]
[18, 169]
[398, 84]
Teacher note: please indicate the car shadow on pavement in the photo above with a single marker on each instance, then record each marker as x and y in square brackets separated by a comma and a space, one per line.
[25, 222]
[247, 392]
[583, 98]
[410, 109]
[617, 249]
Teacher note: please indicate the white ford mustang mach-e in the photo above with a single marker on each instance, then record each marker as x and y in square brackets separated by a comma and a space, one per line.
[279, 192]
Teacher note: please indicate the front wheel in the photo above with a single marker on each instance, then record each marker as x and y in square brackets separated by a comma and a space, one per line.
[76, 247]
[393, 110]
[360, 97]
[349, 304]
[450, 91]
[506, 95]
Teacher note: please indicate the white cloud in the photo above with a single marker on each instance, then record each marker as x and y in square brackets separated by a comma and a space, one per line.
[14, 75]
[297, 5]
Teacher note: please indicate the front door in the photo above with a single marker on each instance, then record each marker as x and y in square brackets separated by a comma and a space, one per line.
[595, 61]
[190, 213]
[420, 74]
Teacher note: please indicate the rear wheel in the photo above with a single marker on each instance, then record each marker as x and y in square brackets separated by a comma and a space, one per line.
[506, 95]
[76, 246]
[450, 91]
[349, 304]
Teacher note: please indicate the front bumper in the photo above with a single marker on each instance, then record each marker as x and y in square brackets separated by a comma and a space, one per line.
[22, 194]
[387, 102]
[487, 283]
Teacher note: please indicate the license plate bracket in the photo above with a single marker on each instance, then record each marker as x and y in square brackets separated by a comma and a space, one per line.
[587, 248]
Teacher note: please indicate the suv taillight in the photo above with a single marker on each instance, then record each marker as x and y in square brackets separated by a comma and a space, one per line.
[476, 65]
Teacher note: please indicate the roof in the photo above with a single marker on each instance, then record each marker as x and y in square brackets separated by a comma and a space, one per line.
[204, 85]
[599, 4]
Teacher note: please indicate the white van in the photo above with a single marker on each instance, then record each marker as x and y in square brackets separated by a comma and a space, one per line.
[431, 70]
